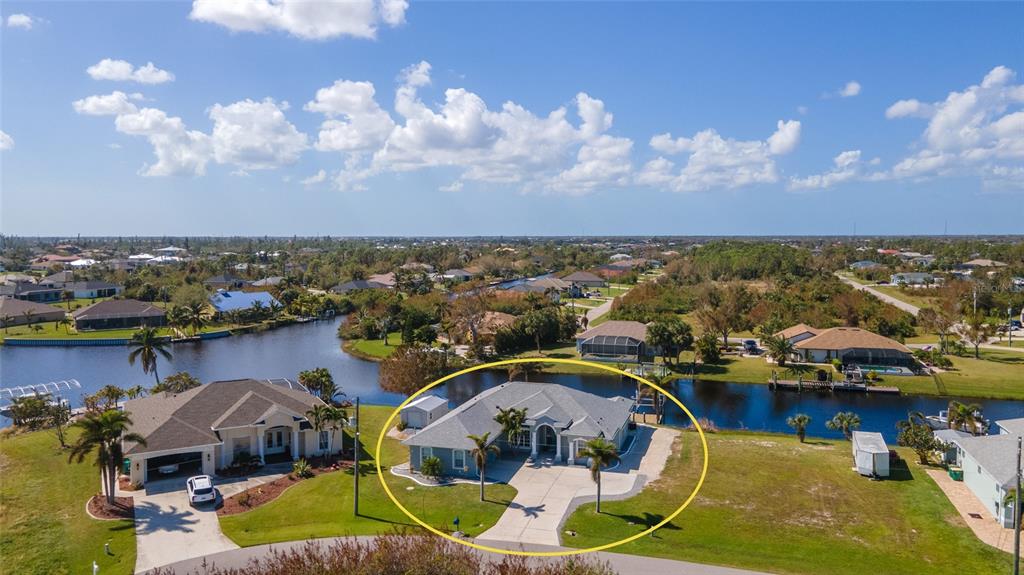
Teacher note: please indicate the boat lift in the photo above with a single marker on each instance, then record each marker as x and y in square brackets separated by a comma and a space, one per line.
[54, 388]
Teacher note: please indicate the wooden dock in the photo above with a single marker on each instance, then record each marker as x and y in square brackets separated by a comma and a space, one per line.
[829, 386]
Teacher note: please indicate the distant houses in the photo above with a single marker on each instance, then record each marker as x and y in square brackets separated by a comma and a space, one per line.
[355, 285]
[864, 265]
[457, 275]
[914, 279]
[227, 281]
[586, 279]
[20, 312]
[118, 314]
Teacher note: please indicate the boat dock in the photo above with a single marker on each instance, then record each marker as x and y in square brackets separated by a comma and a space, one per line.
[799, 385]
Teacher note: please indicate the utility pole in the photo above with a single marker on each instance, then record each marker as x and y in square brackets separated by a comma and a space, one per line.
[1016, 516]
[1009, 326]
[355, 467]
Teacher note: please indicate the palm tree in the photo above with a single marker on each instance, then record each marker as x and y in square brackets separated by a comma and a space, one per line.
[64, 321]
[779, 348]
[197, 315]
[103, 433]
[7, 319]
[845, 421]
[799, 422]
[523, 371]
[602, 453]
[966, 417]
[110, 395]
[147, 345]
[319, 417]
[135, 392]
[511, 421]
[480, 453]
[914, 419]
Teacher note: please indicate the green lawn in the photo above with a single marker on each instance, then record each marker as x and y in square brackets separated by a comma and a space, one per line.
[43, 524]
[51, 330]
[374, 348]
[612, 290]
[322, 506]
[771, 503]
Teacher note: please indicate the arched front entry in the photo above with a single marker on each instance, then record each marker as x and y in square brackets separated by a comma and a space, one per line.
[547, 441]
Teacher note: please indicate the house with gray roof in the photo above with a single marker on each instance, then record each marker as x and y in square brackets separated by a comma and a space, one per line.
[989, 467]
[206, 428]
[559, 422]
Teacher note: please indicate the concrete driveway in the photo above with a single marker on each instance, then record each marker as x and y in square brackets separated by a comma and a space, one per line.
[548, 493]
[168, 529]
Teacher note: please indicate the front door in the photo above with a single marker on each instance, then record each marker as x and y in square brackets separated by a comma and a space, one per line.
[278, 440]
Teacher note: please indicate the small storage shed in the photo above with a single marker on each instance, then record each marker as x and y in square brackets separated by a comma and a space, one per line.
[870, 454]
[424, 411]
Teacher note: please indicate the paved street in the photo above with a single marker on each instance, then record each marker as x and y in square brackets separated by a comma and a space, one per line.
[913, 309]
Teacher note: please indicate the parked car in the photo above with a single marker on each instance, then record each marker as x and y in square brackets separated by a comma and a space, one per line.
[200, 489]
[750, 346]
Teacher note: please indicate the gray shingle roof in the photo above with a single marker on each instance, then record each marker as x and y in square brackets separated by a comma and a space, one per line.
[118, 308]
[573, 412]
[996, 454]
[1013, 426]
[190, 419]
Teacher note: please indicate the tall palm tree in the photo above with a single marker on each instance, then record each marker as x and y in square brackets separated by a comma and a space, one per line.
[147, 346]
[197, 315]
[64, 321]
[480, 453]
[602, 453]
[799, 423]
[966, 417]
[845, 421]
[511, 421]
[103, 433]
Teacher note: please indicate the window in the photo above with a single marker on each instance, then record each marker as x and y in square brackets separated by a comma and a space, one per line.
[458, 459]
[270, 440]
[324, 437]
[425, 452]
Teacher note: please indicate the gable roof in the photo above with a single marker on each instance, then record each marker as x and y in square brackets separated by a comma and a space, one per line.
[386, 279]
[427, 402]
[118, 308]
[17, 307]
[571, 411]
[619, 328]
[996, 454]
[838, 338]
[235, 300]
[268, 281]
[1012, 426]
[796, 330]
[192, 418]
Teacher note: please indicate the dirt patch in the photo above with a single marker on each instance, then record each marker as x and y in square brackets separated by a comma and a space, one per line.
[123, 508]
[262, 494]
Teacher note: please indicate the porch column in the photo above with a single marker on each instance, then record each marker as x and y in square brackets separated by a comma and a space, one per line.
[558, 446]
[533, 442]
[261, 440]
[295, 444]
[572, 452]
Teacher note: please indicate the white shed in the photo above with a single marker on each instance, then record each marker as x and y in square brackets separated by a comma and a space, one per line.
[424, 411]
[870, 454]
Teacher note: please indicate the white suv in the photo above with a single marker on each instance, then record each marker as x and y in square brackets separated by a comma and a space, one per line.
[200, 489]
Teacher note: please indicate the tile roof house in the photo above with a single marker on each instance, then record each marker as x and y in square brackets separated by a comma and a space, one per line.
[207, 427]
[853, 345]
[560, 420]
[118, 314]
[19, 312]
[798, 332]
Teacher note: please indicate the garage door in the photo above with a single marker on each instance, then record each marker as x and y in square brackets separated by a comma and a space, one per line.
[175, 465]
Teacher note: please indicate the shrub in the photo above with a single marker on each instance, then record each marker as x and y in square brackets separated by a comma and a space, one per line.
[301, 469]
[402, 425]
[431, 467]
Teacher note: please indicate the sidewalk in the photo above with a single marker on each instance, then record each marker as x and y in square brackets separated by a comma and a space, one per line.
[966, 503]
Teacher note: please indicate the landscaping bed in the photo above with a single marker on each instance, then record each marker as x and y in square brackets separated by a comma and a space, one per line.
[261, 494]
[123, 507]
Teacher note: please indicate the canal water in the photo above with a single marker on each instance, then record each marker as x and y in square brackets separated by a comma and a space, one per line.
[286, 351]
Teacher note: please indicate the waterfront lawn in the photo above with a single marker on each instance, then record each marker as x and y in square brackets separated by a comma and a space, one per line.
[770, 503]
[50, 330]
[374, 348]
[43, 524]
[322, 506]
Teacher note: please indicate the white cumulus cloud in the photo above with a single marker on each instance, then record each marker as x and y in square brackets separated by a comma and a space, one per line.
[354, 119]
[6, 141]
[113, 104]
[846, 167]
[23, 21]
[316, 178]
[255, 135]
[123, 71]
[310, 20]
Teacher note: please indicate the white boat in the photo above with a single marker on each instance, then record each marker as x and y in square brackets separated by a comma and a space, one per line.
[941, 421]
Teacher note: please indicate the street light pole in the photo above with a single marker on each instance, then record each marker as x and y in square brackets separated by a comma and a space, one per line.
[355, 467]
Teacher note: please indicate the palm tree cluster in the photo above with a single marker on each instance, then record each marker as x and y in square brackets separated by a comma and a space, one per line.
[192, 317]
[965, 417]
[512, 421]
[328, 418]
[320, 383]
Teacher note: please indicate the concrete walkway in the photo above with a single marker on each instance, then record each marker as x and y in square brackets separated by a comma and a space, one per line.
[620, 563]
[168, 529]
[912, 309]
[548, 493]
[966, 503]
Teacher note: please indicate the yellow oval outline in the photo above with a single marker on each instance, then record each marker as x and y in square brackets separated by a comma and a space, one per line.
[387, 490]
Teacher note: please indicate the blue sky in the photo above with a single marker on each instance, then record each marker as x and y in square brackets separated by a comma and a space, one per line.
[662, 118]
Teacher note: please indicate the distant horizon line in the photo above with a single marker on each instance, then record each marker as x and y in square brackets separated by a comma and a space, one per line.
[504, 236]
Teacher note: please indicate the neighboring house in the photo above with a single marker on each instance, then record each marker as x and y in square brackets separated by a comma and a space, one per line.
[171, 251]
[93, 289]
[619, 257]
[457, 275]
[271, 281]
[797, 333]
[228, 301]
[864, 265]
[387, 280]
[490, 324]
[123, 264]
[20, 312]
[989, 463]
[585, 279]
[59, 279]
[560, 420]
[949, 437]
[118, 314]
[356, 285]
[913, 279]
[225, 280]
[923, 261]
[618, 340]
[32, 292]
[205, 428]
[82, 263]
[852, 345]
[425, 410]
[417, 267]
[1010, 426]
[982, 263]
[49, 261]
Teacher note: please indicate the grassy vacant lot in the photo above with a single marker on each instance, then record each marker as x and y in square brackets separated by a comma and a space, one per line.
[322, 506]
[43, 524]
[771, 503]
[373, 349]
[921, 298]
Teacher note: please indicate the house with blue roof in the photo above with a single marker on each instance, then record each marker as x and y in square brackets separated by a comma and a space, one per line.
[228, 301]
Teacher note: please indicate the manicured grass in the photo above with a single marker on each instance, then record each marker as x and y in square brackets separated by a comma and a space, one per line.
[374, 348]
[43, 524]
[322, 506]
[51, 330]
[771, 503]
[612, 290]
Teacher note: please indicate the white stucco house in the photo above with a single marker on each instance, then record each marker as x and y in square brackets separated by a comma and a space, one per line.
[204, 429]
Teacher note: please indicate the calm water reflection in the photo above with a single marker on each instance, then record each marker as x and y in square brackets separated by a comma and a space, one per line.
[286, 351]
